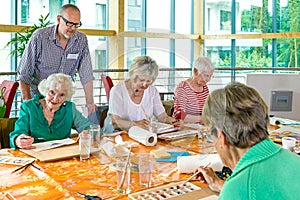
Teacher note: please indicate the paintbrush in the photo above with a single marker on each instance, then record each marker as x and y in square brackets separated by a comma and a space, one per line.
[195, 174]
[146, 115]
[23, 167]
[125, 169]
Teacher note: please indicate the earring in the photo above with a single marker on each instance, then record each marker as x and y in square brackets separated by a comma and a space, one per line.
[221, 147]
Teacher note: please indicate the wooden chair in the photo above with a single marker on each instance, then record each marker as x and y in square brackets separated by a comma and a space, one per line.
[108, 84]
[9, 94]
[6, 126]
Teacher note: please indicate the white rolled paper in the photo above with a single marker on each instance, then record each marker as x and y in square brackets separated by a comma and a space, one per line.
[143, 136]
[188, 164]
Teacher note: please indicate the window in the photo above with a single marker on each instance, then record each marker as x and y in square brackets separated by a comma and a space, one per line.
[225, 20]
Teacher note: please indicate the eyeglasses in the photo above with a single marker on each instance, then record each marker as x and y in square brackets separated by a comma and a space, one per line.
[206, 76]
[70, 24]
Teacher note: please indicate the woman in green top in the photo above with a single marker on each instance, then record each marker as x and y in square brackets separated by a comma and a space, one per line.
[49, 116]
[238, 121]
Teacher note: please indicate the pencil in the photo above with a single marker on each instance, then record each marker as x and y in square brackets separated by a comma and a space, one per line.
[147, 117]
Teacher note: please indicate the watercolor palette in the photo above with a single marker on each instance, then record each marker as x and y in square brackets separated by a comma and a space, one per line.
[165, 192]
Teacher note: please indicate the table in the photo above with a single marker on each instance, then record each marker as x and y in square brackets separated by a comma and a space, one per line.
[63, 179]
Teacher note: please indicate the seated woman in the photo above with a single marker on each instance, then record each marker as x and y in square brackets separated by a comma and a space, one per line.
[238, 121]
[49, 116]
[190, 94]
[135, 101]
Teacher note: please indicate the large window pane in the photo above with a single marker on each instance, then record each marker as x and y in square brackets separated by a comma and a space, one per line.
[4, 53]
[288, 12]
[253, 53]
[219, 51]
[158, 16]
[288, 53]
[217, 17]
[254, 16]
[183, 16]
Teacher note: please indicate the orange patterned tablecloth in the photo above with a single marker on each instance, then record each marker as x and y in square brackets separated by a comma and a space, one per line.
[63, 179]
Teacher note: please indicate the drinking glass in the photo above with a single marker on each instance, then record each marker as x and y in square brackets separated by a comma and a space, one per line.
[205, 141]
[84, 146]
[123, 175]
[145, 169]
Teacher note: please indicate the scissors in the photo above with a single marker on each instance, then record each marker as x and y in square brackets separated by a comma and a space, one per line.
[89, 197]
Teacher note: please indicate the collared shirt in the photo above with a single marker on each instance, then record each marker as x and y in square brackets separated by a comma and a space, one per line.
[44, 56]
[33, 122]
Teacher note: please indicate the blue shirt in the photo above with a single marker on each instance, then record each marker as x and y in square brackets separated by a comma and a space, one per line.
[32, 121]
[44, 56]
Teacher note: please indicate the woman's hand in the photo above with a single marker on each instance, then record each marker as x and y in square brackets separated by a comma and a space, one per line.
[24, 142]
[144, 123]
[207, 175]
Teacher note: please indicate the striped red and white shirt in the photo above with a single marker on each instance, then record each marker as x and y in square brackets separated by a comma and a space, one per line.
[187, 101]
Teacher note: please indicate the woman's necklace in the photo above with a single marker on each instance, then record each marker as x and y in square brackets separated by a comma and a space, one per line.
[135, 92]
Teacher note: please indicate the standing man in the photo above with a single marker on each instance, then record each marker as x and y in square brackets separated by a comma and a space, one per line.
[57, 49]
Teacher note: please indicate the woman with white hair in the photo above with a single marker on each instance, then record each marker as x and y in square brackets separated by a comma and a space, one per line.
[49, 115]
[134, 101]
[190, 94]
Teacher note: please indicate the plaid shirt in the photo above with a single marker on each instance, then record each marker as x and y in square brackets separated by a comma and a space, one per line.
[44, 56]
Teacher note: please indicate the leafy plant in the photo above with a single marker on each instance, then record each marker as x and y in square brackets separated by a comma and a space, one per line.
[23, 36]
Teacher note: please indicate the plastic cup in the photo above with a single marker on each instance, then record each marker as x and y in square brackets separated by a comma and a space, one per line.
[84, 146]
[94, 131]
[145, 169]
[123, 175]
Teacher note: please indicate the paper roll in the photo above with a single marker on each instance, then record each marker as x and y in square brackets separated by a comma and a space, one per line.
[188, 164]
[143, 136]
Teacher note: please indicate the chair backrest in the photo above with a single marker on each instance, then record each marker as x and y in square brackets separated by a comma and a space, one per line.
[9, 94]
[107, 83]
[7, 125]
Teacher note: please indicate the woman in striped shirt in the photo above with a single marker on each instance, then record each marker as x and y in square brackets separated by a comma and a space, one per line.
[190, 95]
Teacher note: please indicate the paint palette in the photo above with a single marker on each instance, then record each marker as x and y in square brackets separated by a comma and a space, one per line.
[165, 192]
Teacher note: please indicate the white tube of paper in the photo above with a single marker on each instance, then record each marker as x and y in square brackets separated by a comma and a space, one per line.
[143, 136]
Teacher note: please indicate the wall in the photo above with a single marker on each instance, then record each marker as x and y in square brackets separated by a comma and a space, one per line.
[265, 83]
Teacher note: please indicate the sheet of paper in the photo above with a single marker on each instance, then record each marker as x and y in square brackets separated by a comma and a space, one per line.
[52, 144]
[15, 160]
[163, 127]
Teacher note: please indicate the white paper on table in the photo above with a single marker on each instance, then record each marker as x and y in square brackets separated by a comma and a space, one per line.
[15, 160]
[114, 150]
[188, 164]
[193, 125]
[42, 146]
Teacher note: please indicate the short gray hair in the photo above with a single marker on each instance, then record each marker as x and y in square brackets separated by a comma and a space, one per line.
[68, 6]
[203, 64]
[143, 66]
[240, 112]
[57, 81]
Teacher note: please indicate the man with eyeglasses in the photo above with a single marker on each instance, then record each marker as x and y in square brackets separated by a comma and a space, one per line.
[58, 49]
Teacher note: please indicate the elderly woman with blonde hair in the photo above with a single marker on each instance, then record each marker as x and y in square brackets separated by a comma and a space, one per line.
[49, 115]
[134, 101]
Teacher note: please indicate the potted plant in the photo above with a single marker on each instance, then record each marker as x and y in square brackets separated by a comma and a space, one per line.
[23, 36]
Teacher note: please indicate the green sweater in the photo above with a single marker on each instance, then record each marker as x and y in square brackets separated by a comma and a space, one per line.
[266, 171]
[32, 122]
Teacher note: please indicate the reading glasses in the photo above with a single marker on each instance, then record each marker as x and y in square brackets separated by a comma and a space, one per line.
[70, 24]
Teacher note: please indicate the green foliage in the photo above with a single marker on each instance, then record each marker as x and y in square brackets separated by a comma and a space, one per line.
[22, 37]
